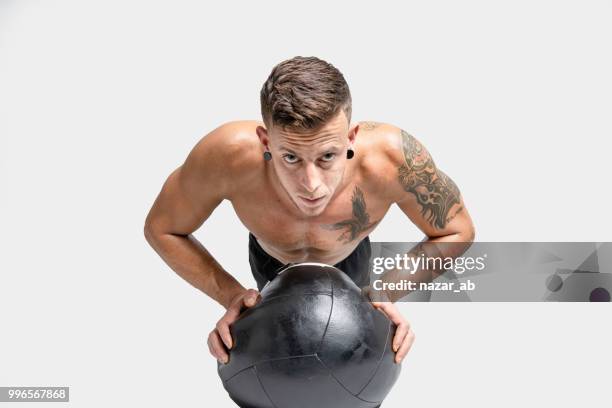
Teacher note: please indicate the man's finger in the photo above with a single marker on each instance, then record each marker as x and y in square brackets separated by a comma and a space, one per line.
[380, 306]
[232, 313]
[251, 298]
[405, 347]
[224, 332]
[208, 343]
[218, 351]
[400, 334]
[392, 312]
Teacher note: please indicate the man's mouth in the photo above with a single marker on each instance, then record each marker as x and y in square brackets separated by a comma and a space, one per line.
[312, 201]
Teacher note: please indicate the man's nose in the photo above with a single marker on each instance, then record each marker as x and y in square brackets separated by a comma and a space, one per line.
[311, 179]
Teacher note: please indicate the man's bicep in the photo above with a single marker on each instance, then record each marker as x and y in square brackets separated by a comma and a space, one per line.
[194, 190]
[429, 197]
[179, 208]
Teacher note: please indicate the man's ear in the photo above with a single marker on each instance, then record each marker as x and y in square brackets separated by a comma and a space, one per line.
[352, 134]
[262, 133]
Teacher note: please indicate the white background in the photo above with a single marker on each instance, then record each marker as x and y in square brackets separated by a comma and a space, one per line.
[100, 101]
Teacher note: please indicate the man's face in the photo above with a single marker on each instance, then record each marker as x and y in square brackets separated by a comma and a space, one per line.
[310, 165]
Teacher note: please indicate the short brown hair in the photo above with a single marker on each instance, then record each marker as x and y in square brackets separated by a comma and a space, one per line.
[303, 93]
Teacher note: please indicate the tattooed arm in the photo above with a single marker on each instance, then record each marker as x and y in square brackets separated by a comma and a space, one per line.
[430, 198]
[433, 202]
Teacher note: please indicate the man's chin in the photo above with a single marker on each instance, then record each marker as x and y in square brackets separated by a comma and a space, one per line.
[312, 212]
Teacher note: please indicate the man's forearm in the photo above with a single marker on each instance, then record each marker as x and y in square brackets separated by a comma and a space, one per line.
[192, 262]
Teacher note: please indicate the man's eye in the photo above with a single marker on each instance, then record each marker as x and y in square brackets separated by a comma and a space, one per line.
[290, 158]
[328, 157]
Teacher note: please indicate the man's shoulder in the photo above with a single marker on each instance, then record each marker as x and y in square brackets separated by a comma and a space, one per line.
[381, 155]
[381, 144]
[234, 143]
[229, 152]
[232, 137]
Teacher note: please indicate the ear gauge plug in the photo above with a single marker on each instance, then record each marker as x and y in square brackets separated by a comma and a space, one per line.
[350, 153]
[267, 156]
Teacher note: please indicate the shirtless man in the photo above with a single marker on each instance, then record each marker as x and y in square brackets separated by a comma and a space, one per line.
[308, 184]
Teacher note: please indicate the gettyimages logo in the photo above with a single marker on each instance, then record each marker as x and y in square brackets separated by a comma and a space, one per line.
[412, 264]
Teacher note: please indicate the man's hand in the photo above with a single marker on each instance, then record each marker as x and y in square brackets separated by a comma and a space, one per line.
[220, 339]
[404, 336]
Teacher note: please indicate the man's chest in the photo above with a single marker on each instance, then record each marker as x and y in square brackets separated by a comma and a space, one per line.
[346, 220]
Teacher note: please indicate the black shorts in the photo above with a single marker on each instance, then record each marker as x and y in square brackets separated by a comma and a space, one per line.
[265, 268]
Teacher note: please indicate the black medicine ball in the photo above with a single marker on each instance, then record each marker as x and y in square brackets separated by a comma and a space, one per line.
[313, 341]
